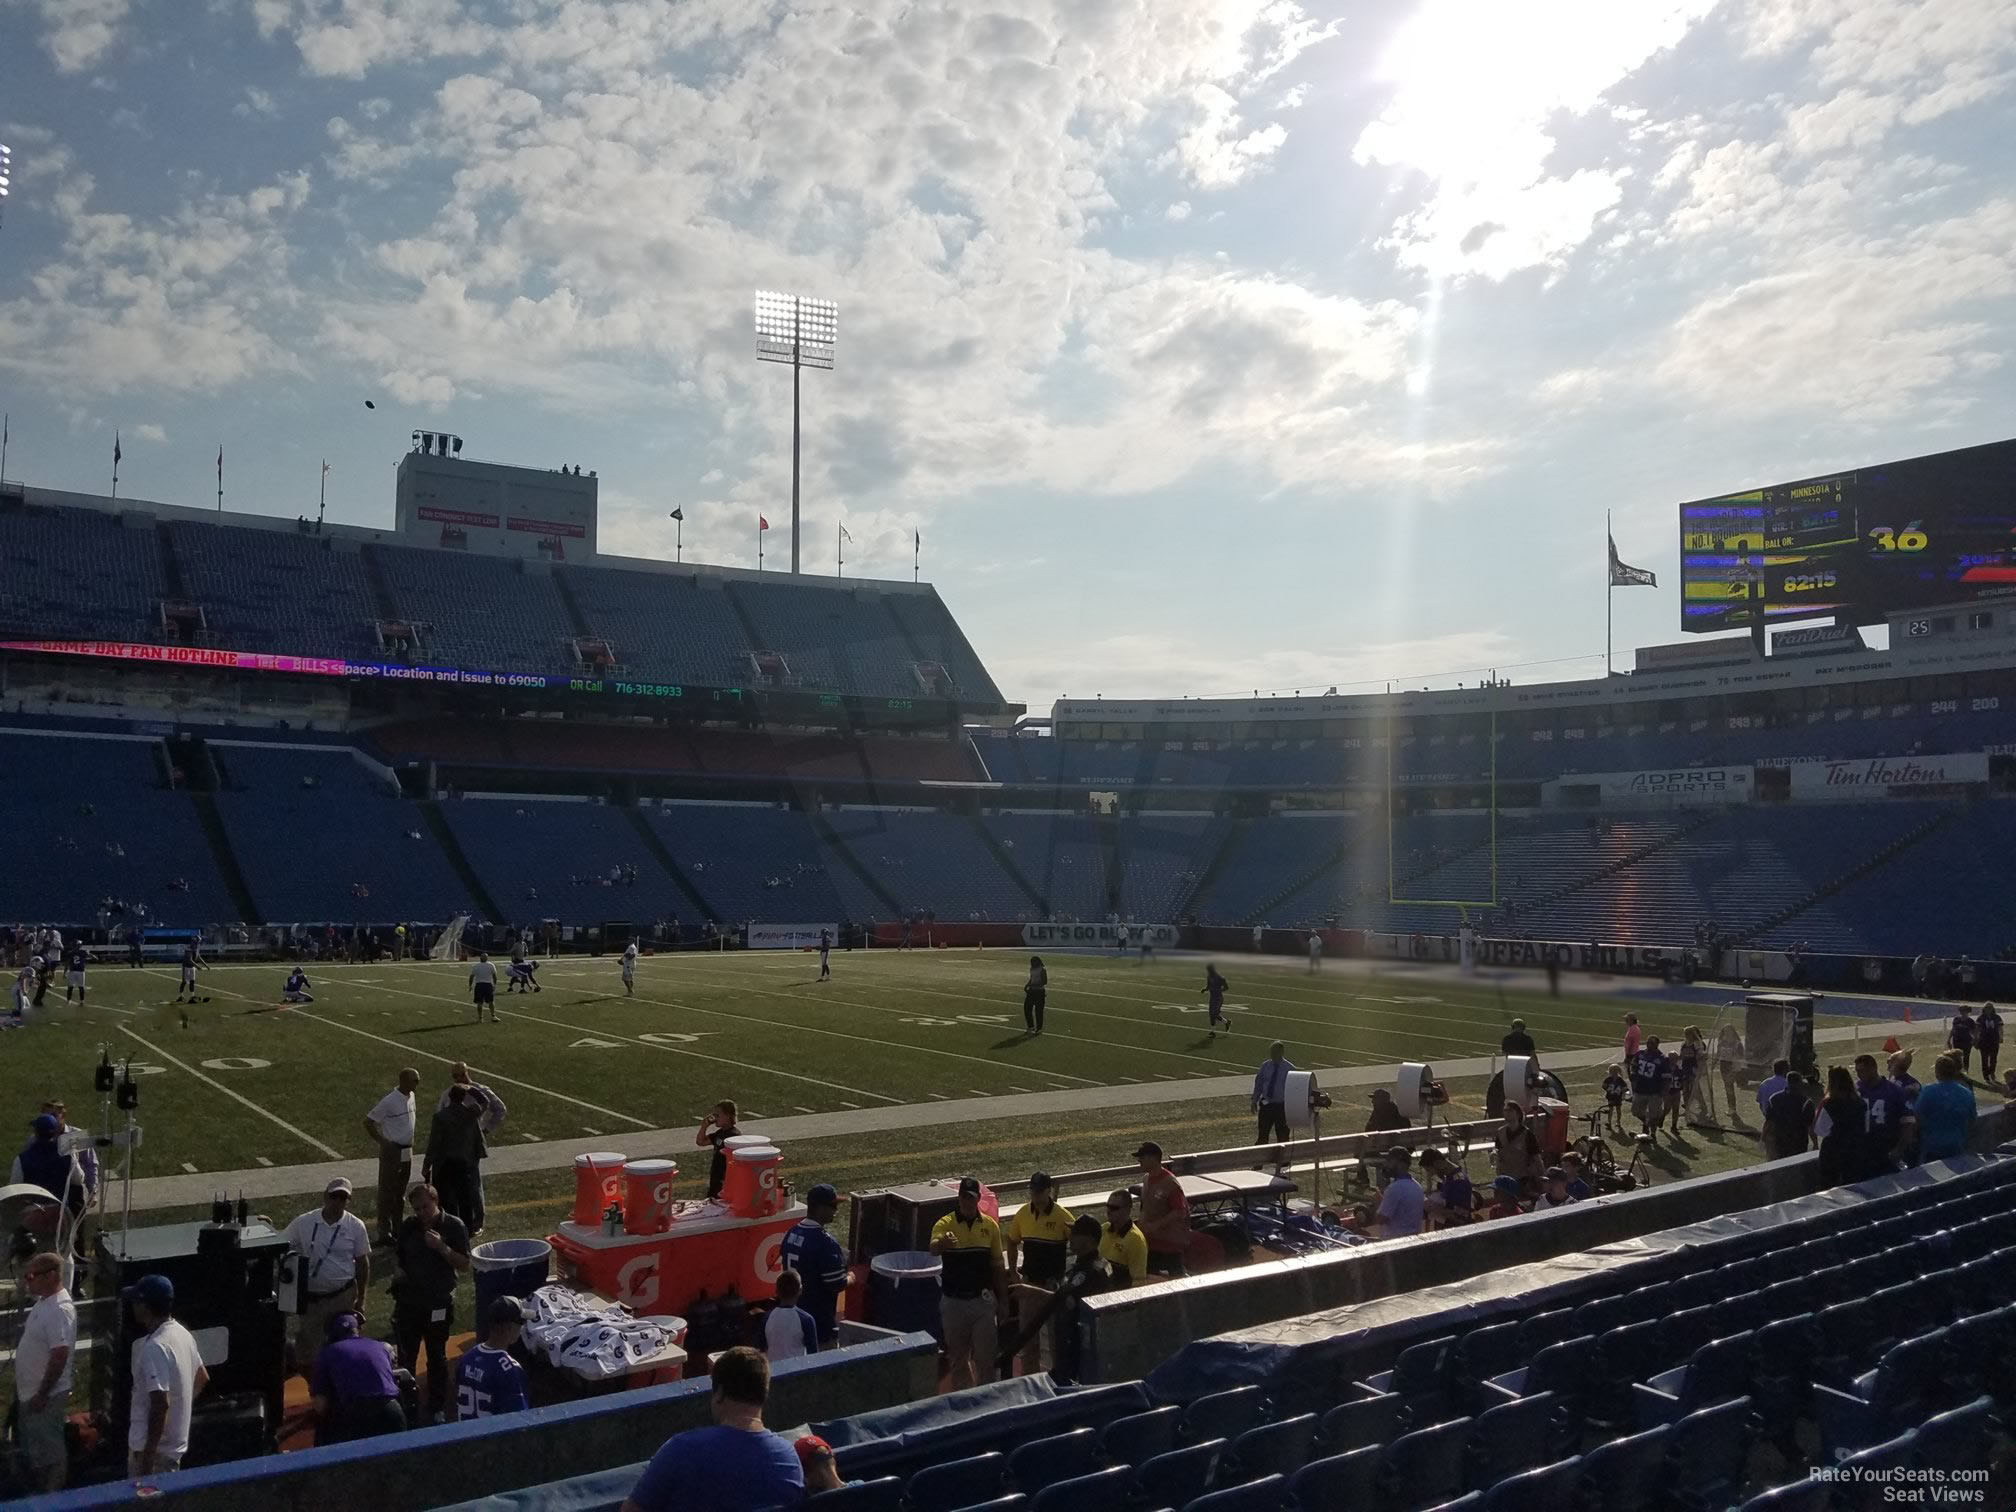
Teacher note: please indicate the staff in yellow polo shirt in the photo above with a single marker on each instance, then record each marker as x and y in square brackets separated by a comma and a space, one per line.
[1122, 1245]
[972, 1284]
[1038, 1241]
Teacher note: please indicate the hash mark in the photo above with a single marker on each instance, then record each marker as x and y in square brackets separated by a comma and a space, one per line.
[262, 1160]
[586, 1130]
[189, 1168]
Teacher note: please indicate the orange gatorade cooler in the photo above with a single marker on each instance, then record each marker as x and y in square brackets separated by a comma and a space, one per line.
[751, 1188]
[647, 1196]
[598, 1181]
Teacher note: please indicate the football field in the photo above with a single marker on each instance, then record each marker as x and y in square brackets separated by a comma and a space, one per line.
[248, 1081]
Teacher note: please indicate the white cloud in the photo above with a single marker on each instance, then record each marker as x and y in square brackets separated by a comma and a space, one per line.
[150, 432]
[1180, 211]
[1217, 151]
[79, 33]
[258, 103]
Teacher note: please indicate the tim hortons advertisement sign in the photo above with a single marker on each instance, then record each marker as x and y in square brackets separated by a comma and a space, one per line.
[1823, 780]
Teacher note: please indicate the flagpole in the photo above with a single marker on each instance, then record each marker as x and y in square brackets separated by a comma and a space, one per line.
[6, 425]
[115, 465]
[220, 480]
[322, 497]
[1609, 591]
[916, 554]
[839, 556]
[759, 545]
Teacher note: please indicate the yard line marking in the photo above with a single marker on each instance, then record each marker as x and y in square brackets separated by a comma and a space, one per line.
[586, 1130]
[124, 1012]
[210, 1082]
[1013, 1088]
[978, 1093]
[850, 1105]
[939, 1095]
[1134, 1079]
[1059, 1087]
[719, 1060]
[527, 1134]
[805, 1110]
[262, 1160]
[418, 1054]
[1164, 1076]
[189, 1168]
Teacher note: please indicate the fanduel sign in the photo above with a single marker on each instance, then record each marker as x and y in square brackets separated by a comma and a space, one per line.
[1854, 779]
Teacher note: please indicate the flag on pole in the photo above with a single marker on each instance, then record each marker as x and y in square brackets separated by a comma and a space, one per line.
[115, 448]
[220, 464]
[325, 467]
[1623, 575]
[845, 536]
[679, 514]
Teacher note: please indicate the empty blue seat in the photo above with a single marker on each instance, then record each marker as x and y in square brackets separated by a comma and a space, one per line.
[1224, 1414]
[1420, 1375]
[1140, 1436]
[1707, 1453]
[1339, 1480]
[1626, 1474]
[1808, 1495]
[1549, 1488]
[1563, 1369]
[1100, 1491]
[884, 1495]
[1867, 1477]
[1426, 1466]
[1717, 1371]
[959, 1483]
[1172, 1478]
[1542, 1329]
[1474, 1502]
[1486, 1352]
[1045, 1461]
[1960, 1440]
[1513, 1436]
[1365, 1422]
[1981, 1354]
[1016, 1503]
[1266, 1495]
[1880, 1403]
[1274, 1448]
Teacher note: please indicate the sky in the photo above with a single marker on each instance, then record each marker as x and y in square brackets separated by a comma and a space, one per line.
[1210, 345]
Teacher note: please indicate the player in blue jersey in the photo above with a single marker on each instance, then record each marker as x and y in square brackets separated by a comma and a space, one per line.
[187, 981]
[79, 959]
[1214, 989]
[825, 955]
[523, 974]
[489, 1381]
[296, 990]
[819, 1260]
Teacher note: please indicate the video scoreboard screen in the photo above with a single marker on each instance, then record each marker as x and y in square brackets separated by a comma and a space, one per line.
[1860, 545]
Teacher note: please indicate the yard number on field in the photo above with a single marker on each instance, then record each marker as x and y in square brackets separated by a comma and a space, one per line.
[236, 1063]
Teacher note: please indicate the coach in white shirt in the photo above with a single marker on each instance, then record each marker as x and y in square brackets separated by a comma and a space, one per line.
[335, 1262]
[168, 1376]
[44, 1369]
[390, 1125]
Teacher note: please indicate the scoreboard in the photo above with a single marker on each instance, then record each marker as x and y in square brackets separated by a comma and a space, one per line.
[1858, 545]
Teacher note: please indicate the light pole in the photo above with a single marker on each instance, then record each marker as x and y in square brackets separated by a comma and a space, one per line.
[795, 329]
[678, 535]
[6, 172]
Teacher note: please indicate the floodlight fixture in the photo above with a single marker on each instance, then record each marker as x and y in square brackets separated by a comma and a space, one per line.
[801, 331]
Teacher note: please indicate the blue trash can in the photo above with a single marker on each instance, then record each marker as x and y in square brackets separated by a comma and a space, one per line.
[508, 1268]
[903, 1292]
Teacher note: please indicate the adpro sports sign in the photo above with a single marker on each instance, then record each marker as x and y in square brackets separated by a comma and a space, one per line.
[1678, 786]
[1107, 935]
[788, 936]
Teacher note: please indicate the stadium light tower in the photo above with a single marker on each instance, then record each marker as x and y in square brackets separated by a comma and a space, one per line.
[792, 328]
[6, 173]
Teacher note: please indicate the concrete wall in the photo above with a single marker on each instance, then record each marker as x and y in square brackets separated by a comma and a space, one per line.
[408, 1472]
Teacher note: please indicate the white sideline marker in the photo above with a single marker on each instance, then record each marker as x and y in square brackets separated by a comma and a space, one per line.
[189, 1168]
[262, 1160]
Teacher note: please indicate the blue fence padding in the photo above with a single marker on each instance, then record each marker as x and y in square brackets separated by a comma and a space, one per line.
[602, 1491]
[968, 1422]
[1312, 1348]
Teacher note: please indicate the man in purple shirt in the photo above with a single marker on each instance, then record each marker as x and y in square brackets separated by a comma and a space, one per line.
[354, 1393]
[1889, 1117]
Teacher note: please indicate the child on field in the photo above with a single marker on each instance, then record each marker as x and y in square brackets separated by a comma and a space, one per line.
[1614, 1088]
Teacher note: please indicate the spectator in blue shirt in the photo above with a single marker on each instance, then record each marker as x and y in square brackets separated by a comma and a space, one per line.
[737, 1465]
[1270, 1094]
[488, 1381]
[820, 1262]
[1945, 1112]
[1402, 1210]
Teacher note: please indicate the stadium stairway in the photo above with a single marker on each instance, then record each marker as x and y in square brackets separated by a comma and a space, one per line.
[655, 844]
[229, 872]
[1875, 863]
[835, 845]
[437, 826]
[1315, 876]
[1007, 864]
[1622, 864]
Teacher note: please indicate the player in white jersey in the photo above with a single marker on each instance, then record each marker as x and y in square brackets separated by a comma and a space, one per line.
[523, 976]
[630, 969]
[1315, 951]
[24, 989]
[483, 986]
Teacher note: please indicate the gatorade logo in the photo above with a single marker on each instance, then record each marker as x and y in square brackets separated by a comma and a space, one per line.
[662, 1193]
[637, 1282]
[769, 1260]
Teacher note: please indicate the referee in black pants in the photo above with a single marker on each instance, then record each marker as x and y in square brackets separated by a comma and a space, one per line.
[1270, 1094]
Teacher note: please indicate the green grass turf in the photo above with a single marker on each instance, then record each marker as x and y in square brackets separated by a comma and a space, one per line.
[891, 1028]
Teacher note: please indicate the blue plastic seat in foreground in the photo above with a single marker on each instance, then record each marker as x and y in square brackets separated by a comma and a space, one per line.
[1425, 1467]
[1542, 1329]
[1098, 1492]
[998, 1429]
[1135, 1439]
[1807, 1495]
[1707, 1453]
[1172, 1478]
[1274, 1448]
[1268, 1495]
[1717, 1371]
[884, 1495]
[1420, 1373]
[1550, 1488]
[1474, 1502]
[1486, 1352]
[1224, 1414]
[941, 1488]
[1881, 1403]
[1626, 1474]
[1016, 1503]
[1341, 1480]
[1363, 1423]
[1962, 1439]
[1063, 1456]
[1513, 1436]
[1867, 1479]
[1565, 1369]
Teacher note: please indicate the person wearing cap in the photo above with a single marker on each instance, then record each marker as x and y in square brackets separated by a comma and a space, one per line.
[433, 1251]
[43, 1163]
[491, 1113]
[1504, 1198]
[736, 1464]
[335, 1262]
[168, 1376]
[972, 1287]
[1403, 1205]
[44, 1371]
[1165, 1212]
[1037, 1245]
[390, 1123]
[1122, 1245]
[1518, 1042]
[352, 1389]
[820, 1262]
[1555, 1193]
[815, 1458]
[1270, 1094]
[488, 1379]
